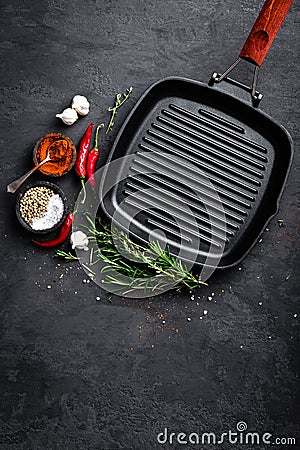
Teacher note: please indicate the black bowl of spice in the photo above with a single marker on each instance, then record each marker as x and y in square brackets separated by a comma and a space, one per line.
[41, 207]
[63, 154]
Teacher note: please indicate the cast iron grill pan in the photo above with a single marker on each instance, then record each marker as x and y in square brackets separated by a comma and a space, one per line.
[184, 137]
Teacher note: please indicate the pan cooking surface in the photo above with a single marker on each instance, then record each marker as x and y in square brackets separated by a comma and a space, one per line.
[205, 172]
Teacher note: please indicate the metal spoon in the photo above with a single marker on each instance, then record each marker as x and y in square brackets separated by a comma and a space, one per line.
[12, 187]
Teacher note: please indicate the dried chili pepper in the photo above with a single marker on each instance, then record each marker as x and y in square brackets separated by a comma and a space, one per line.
[93, 158]
[80, 165]
[63, 234]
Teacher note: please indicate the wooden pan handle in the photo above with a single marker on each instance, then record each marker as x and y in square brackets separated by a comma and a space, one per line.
[264, 30]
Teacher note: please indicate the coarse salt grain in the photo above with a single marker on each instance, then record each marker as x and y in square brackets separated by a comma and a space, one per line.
[55, 210]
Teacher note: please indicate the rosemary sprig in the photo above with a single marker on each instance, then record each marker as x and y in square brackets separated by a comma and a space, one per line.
[67, 256]
[119, 100]
[148, 267]
[129, 266]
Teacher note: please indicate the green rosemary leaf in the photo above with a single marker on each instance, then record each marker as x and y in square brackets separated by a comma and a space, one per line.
[67, 256]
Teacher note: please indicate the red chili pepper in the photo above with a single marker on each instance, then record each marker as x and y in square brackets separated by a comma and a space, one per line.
[63, 234]
[84, 146]
[93, 158]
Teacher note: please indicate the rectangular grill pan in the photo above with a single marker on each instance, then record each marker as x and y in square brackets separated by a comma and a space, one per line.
[200, 170]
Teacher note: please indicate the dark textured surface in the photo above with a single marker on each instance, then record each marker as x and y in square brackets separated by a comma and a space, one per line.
[77, 373]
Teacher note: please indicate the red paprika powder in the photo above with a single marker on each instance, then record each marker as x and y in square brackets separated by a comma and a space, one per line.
[63, 154]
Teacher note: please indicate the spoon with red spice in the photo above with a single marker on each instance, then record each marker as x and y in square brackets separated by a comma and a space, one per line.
[14, 186]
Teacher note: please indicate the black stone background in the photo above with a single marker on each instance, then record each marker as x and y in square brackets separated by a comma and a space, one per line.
[77, 373]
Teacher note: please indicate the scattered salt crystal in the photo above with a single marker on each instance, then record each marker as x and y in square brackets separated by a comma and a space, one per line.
[295, 315]
[84, 281]
[192, 297]
[98, 298]
[205, 312]
[189, 319]
[48, 287]
[240, 268]
[260, 303]
[209, 299]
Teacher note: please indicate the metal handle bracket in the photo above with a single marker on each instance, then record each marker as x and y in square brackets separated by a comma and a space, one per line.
[255, 95]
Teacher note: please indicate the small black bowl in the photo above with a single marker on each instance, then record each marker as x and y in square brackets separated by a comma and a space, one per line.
[56, 190]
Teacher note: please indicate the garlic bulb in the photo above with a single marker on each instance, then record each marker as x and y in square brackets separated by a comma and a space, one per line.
[81, 105]
[68, 116]
[79, 240]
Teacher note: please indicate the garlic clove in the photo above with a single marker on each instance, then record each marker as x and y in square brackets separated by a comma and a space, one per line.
[79, 240]
[68, 116]
[81, 105]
